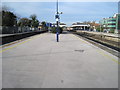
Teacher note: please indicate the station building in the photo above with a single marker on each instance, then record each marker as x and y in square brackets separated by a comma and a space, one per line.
[60, 25]
[80, 26]
[111, 24]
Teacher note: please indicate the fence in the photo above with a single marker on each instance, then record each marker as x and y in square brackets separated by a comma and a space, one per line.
[12, 30]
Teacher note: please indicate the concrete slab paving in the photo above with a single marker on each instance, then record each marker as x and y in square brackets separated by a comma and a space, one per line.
[42, 62]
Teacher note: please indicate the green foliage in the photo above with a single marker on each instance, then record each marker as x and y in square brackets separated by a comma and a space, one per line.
[34, 21]
[44, 27]
[43, 24]
[8, 18]
[24, 22]
[33, 17]
[54, 30]
[111, 31]
[98, 29]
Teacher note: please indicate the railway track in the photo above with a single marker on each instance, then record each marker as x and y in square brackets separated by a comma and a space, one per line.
[107, 47]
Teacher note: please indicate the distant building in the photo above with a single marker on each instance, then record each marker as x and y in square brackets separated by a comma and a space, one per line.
[69, 28]
[80, 26]
[61, 25]
[111, 24]
[40, 26]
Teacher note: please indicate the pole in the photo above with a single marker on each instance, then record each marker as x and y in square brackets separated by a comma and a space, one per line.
[57, 7]
[101, 31]
[57, 22]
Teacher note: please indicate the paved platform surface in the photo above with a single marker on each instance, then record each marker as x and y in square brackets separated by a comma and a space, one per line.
[41, 62]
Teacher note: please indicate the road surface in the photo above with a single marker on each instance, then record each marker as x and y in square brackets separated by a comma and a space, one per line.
[41, 62]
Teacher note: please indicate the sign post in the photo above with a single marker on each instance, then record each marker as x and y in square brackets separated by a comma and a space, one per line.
[57, 22]
[57, 17]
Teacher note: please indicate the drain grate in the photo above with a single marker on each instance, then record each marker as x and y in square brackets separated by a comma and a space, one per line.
[79, 51]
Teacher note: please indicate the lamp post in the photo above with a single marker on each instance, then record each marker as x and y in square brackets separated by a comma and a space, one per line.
[57, 16]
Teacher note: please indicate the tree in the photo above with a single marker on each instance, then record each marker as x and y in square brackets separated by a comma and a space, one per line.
[24, 22]
[44, 26]
[8, 18]
[34, 21]
[33, 17]
[6, 8]
[92, 24]
[54, 30]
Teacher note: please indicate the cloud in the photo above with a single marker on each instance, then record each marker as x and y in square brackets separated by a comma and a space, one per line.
[72, 11]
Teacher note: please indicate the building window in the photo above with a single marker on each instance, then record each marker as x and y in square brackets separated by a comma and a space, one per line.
[112, 20]
[112, 24]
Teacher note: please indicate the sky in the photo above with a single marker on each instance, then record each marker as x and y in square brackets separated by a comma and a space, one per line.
[72, 11]
[60, 0]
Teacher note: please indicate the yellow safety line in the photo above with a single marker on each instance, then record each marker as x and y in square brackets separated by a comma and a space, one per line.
[102, 53]
[80, 39]
[108, 56]
[13, 46]
[18, 44]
